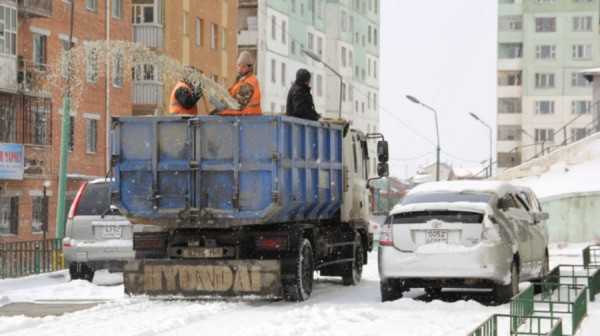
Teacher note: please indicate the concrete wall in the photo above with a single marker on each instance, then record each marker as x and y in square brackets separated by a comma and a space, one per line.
[573, 218]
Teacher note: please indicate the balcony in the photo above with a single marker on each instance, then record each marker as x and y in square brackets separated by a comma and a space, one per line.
[247, 38]
[149, 35]
[147, 93]
[36, 8]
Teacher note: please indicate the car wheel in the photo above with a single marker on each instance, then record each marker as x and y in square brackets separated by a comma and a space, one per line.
[299, 283]
[503, 293]
[353, 274]
[390, 291]
[433, 292]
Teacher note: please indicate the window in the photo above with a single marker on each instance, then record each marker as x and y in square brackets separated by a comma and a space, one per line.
[579, 80]
[117, 69]
[214, 31]
[293, 47]
[582, 23]
[9, 215]
[40, 120]
[293, 6]
[545, 25]
[343, 91]
[343, 56]
[509, 132]
[350, 92]
[310, 42]
[510, 50]
[199, 29]
[375, 37]
[362, 73]
[320, 46]
[370, 35]
[582, 51]
[578, 133]
[8, 31]
[350, 58]
[544, 80]
[351, 23]
[145, 72]
[544, 135]
[283, 74]
[356, 106]
[545, 52]
[39, 51]
[91, 5]
[362, 106]
[39, 213]
[344, 22]
[510, 23]
[8, 118]
[509, 105]
[144, 13]
[91, 66]
[544, 107]
[375, 105]
[91, 135]
[117, 9]
[273, 71]
[319, 85]
[369, 100]
[581, 107]
[273, 27]
[283, 32]
[509, 78]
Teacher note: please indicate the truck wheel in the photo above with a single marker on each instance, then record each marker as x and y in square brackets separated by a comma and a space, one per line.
[299, 285]
[503, 293]
[390, 291]
[353, 274]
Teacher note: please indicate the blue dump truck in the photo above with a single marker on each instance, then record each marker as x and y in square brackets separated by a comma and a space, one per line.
[249, 206]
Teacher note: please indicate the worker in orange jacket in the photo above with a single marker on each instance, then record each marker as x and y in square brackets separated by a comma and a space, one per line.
[245, 90]
[185, 95]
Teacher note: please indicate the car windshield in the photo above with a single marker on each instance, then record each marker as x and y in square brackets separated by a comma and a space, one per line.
[95, 200]
[447, 197]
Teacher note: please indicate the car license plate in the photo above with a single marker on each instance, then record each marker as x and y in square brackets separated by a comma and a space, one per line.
[436, 236]
[201, 252]
[112, 231]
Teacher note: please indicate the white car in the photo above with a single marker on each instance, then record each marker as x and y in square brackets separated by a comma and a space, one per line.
[463, 234]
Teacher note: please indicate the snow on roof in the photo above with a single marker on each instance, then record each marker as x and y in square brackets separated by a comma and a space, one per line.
[497, 187]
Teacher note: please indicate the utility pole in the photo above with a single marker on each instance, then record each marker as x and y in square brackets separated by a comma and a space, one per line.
[108, 55]
[65, 139]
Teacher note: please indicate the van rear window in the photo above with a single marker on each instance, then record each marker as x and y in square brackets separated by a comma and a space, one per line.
[420, 217]
[447, 197]
[95, 200]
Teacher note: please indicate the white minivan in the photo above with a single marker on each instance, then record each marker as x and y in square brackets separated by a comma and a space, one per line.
[463, 234]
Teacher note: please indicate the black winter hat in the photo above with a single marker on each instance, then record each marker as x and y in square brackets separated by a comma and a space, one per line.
[302, 76]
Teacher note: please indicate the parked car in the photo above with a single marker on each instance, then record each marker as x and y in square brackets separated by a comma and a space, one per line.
[96, 236]
[463, 234]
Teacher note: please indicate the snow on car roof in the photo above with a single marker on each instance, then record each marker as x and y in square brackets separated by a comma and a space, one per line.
[497, 187]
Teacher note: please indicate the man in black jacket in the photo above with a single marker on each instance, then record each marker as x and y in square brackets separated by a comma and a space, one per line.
[300, 101]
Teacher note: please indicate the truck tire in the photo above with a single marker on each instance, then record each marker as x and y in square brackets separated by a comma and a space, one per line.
[353, 274]
[390, 291]
[297, 286]
[503, 293]
[81, 271]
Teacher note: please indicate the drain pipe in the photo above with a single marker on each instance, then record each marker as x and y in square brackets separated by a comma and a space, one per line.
[107, 84]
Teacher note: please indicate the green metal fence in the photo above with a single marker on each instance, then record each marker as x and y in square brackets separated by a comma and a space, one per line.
[566, 300]
[501, 324]
[521, 306]
[591, 256]
[30, 257]
[577, 275]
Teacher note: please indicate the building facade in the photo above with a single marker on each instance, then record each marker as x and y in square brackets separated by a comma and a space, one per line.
[198, 33]
[342, 33]
[33, 37]
[544, 99]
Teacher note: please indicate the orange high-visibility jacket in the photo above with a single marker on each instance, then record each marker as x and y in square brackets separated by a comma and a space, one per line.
[174, 105]
[247, 92]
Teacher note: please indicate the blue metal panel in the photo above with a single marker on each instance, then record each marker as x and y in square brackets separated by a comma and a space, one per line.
[249, 170]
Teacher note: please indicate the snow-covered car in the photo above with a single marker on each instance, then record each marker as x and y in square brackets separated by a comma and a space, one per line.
[463, 234]
[96, 236]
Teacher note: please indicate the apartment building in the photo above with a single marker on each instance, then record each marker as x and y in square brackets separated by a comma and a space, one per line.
[198, 33]
[342, 33]
[543, 48]
[33, 36]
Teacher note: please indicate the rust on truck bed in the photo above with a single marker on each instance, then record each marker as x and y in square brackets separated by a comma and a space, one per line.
[200, 278]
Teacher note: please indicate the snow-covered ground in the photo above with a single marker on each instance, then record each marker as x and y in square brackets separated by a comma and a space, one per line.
[333, 310]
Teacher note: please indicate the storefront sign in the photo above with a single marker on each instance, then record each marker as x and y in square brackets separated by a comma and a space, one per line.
[12, 161]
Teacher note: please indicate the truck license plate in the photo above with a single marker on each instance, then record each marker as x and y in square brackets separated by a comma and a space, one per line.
[436, 236]
[112, 231]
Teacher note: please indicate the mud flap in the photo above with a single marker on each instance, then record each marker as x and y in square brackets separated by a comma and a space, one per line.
[203, 278]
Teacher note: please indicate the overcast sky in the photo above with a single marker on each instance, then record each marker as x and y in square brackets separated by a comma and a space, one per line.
[444, 53]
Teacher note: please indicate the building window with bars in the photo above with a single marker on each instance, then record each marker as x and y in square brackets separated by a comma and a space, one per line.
[91, 136]
[39, 213]
[39, 109]
[8, 118]
[9, 215]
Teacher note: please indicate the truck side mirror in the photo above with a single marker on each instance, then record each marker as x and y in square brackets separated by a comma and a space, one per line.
[383, 170]
[382, 152]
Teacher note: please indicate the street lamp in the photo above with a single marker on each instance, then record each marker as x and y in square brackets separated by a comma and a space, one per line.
[491, 138]
[47, 184]
[437, 132]
[318, 59]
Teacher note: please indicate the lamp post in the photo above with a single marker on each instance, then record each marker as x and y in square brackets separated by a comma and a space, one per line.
[318, 59]
[491, 139]
[437, 133]
[45, 208]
